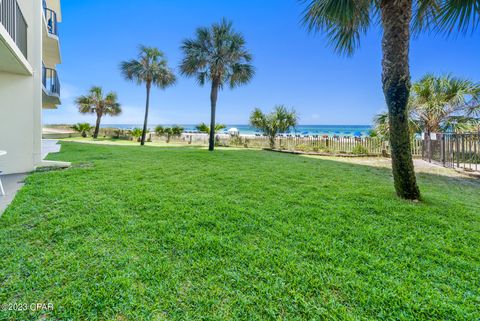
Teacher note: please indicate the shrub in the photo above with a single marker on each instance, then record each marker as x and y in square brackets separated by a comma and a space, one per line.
[136, 133]
[82, 128]
[360, 150]
[237, 141]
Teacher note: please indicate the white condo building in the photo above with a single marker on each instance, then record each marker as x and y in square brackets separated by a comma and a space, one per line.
[29, 54]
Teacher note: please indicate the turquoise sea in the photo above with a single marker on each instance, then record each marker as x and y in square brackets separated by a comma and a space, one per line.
[341, 130]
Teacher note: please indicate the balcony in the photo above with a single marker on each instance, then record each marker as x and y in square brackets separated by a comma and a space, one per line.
[11, 17]
[51, 43]
[13, 38]
[51, 19]
[51, 88]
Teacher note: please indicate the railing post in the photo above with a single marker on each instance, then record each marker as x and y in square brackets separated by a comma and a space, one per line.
[14, 31]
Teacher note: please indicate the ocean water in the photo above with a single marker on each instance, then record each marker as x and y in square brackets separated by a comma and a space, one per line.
[341, 130]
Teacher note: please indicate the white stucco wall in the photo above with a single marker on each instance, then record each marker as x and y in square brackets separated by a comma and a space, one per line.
[21, 102]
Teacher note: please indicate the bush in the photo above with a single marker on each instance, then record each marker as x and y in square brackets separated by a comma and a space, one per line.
[83, 128]
[303, 148]
[236, 141]
[360, 150]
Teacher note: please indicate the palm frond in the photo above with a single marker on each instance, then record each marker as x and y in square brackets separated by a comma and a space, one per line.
[424, 15]
[241, 74]
[343, 21]
[458, 15]
[151, 68]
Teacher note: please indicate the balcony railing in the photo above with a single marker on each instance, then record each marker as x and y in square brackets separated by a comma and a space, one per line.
[50, 81]
[11, 17]
[51, 18]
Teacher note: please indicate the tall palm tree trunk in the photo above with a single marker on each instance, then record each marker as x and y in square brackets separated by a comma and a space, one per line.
[145, 122]
[213, 105]
[97, 126]
[396, 17]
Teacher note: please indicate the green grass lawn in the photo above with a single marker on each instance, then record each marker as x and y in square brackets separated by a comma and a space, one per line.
[124, 142]
[131, 233]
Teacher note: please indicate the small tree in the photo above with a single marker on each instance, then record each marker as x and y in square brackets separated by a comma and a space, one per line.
[438, 104]
[96, 103]
[204, 128]
[169, 132]
[136, 133]
[278, 121]
[82, 128]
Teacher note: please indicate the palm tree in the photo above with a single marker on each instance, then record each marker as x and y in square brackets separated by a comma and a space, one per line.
[204, 128]
[82, 128]
[136, 133]
[96, 103]
[151, 68]
[278, 121]
[217, 55]
[439, 104]
[344, 22]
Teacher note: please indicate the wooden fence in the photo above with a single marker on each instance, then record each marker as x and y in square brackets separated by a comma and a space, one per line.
[453, 150]
[315, 144]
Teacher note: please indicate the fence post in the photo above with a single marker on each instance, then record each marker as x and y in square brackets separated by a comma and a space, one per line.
[442, 150]
[457, 147]
[476, 140]
[429, 147]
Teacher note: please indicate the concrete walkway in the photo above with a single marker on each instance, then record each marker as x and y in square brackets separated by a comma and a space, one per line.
[49, 146]
[14, 182]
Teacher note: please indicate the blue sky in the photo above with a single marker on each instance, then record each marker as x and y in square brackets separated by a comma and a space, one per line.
[292, 67]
